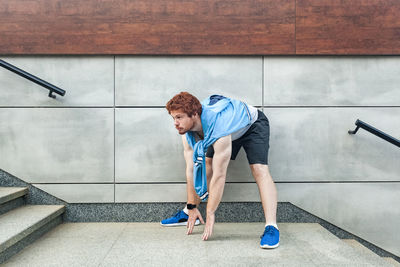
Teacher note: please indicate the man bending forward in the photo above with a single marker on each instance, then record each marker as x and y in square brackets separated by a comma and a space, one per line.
[213, 133]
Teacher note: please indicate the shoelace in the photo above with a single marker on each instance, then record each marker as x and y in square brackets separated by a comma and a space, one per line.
[268, 230]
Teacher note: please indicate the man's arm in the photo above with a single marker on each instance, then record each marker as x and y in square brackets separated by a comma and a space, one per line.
[192, 197]
[222, 155]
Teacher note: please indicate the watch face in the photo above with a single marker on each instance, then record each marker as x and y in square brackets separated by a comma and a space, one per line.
[190, 206]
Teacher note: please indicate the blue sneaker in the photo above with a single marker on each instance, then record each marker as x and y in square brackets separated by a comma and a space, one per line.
[270, 238]
[178, 219]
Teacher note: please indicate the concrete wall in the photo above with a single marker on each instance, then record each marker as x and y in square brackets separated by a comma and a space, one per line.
[110, 139]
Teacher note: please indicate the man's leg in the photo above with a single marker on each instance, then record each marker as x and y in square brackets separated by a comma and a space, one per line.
[269, 199]
[267, 189]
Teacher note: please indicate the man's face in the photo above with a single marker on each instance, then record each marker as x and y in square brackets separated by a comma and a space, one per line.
[182, 121]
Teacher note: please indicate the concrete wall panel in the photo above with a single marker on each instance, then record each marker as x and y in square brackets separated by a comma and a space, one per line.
[307, 144]
[233, 192]
[57, 145]
[147, 146]
[338, 81]
[312, 144]
[149, 81]
[89, 81]
[80, 193]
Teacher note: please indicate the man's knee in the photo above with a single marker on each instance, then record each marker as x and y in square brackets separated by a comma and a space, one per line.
[259, 170]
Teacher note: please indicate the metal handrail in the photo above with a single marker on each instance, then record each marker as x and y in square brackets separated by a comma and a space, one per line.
[373, 130]
[33, 78]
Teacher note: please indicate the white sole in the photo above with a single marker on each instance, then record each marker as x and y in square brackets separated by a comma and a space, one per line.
[266, 246]
[179, 224]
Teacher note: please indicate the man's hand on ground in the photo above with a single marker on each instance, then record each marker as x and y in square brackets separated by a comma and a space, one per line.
[193, 215]
[209, 226]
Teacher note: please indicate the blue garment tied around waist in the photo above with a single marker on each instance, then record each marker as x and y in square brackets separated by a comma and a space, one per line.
[220, 117]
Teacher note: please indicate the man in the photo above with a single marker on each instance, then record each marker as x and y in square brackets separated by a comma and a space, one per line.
[213, 132]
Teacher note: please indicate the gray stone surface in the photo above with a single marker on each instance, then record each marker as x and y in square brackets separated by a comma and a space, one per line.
[368, 210]
[57, 145]
[88, 81]
[26, 241]
[9, 180]
[149, 81]
[10, 193]
[71, 245]
[120, 212]
[80, 193]
[392, 261]
[332, 81]
[35, 195]
[21, 222]
[233, 192]
[154, 212]
[138, 244]
[368, 254]
[145, 141]
[227, 212]
[12, 204]
[342, 234]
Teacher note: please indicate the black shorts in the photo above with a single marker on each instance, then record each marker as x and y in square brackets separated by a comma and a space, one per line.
[255, 142]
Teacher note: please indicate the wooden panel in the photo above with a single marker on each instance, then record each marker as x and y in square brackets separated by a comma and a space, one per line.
[223, 27]
[348, 27]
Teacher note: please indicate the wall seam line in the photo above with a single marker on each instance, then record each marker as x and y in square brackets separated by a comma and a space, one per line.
[271, 106]
[244, 182]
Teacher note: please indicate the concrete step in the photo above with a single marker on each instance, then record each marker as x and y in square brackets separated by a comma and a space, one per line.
[19, 224]
[329, 249]
[9, 193]
[11, 198]
[149, 244]
[391, 261]
[366, 252]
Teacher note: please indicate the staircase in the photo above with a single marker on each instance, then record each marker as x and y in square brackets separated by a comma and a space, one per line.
[368, 254]
[22, 224]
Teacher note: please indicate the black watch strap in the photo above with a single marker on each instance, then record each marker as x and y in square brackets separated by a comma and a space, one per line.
[190, 206]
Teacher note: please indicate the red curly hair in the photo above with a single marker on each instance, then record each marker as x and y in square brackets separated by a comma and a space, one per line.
[185, 102]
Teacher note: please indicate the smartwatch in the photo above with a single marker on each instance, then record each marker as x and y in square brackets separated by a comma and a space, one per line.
[190, 206]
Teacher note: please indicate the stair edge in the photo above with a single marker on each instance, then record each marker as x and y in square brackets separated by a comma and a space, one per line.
[32, 228]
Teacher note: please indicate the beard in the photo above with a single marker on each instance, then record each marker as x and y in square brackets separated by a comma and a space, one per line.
[182, 131]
